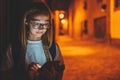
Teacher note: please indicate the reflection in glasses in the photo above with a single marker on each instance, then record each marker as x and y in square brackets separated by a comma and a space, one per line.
[37, 25]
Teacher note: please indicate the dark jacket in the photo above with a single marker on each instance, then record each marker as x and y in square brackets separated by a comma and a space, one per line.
[11, 69]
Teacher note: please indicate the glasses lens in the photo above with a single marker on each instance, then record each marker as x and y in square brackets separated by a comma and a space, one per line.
[37, 25]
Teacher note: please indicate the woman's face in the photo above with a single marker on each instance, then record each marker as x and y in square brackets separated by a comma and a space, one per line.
[38, 26]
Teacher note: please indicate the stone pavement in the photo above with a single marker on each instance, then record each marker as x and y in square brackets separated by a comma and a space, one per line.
[89, 60]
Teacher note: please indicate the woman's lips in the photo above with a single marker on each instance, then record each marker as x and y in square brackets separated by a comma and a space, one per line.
[39, 32]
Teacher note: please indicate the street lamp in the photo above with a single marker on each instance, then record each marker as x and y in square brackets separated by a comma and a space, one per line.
[61, 15]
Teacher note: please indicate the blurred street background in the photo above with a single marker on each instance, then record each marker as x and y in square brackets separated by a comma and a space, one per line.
[89, 59]
[88, 32]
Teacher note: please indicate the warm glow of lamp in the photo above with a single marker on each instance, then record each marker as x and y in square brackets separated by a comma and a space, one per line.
[61, 16]
[63, 21]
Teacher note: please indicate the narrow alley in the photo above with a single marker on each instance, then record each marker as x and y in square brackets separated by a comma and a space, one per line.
[89, 60]
[86, 57]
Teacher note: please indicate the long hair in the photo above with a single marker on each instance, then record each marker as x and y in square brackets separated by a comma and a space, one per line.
[36, 9]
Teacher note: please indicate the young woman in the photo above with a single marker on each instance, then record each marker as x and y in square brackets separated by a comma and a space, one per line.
[40, 57]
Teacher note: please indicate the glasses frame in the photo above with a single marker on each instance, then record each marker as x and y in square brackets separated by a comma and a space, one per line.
[37, 25]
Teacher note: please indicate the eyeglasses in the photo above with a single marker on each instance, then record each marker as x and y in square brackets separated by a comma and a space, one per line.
[36, 25]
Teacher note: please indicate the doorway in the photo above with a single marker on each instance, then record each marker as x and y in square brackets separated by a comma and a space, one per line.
[100, 27]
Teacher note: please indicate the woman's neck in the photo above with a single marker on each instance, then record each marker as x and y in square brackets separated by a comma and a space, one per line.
[34, 38]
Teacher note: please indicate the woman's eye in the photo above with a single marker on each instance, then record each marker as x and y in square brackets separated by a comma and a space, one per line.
[36, 24]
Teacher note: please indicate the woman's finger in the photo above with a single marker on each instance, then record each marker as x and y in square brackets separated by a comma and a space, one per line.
[38, 65]
[35, 67]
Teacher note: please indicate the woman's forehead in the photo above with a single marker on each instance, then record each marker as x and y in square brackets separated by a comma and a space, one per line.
[41, 21]
[43, 18]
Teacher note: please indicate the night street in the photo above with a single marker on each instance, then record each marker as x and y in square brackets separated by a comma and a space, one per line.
[89, 60]
[87, 32]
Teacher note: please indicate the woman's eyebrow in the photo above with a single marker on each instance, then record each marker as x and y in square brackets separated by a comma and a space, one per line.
[39, 20]
[35, 19]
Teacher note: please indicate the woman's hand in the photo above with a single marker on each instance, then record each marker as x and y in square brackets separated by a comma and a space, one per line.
[33, 70]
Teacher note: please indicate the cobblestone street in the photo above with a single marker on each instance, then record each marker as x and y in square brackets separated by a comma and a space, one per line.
[89, 60]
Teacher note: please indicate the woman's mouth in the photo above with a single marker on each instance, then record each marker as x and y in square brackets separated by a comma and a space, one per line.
[39, 32]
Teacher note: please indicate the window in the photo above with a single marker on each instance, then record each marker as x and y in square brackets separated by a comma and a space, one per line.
[85, 4]
[117, 4]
